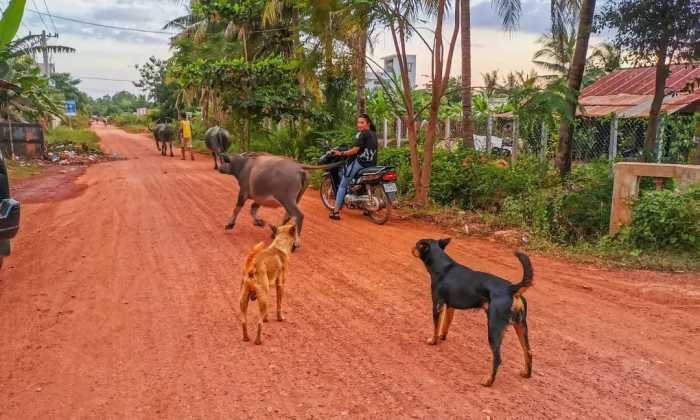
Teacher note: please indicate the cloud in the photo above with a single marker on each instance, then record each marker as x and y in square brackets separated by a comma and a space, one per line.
[534, 18]
[104, 52]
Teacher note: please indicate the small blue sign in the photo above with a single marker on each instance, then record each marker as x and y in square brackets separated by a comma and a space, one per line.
[70, 108]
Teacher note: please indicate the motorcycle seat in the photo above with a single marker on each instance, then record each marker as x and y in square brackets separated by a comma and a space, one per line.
[372, 170]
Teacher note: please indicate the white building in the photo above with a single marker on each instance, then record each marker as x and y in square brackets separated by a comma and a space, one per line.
[392, 69]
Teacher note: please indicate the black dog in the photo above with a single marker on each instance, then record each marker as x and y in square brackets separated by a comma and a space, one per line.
[455, 286]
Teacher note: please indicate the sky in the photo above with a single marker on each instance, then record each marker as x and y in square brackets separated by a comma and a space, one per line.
[113, 54]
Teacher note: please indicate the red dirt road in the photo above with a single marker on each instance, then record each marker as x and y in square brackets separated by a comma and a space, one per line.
[120, 301]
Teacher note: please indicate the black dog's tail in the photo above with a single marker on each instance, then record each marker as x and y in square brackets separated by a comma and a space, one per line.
[519, 289]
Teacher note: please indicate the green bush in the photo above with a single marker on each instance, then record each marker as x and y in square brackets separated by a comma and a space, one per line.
[584, 208]
[400, 160]
[579, 211]
[132, 122]
[665, 220]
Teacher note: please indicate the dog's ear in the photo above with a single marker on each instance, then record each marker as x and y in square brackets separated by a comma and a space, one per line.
[420, 248]
[442, 243]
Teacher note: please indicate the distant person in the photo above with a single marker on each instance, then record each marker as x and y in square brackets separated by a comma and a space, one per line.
[185, 135]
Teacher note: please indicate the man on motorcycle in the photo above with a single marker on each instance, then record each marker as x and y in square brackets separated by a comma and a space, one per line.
[364, 155]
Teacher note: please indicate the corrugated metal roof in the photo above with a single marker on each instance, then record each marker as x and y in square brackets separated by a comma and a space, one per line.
[629, 92]
[634, 106]
[641, 81]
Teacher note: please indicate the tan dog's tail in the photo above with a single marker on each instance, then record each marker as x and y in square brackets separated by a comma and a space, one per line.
[519, 289]
[249, 266]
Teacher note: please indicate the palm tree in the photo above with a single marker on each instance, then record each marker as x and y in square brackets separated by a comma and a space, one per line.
[467, 120]
[607, 57]
[556, 53]
[490, 82]
[360, 22]
[575, 78]
[509, 11]
[562, 12]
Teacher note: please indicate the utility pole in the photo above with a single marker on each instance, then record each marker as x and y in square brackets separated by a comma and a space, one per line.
[46, 67]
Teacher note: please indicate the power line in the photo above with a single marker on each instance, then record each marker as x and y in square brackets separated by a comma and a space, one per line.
[51, 17]
[120, 28]
[41, 17]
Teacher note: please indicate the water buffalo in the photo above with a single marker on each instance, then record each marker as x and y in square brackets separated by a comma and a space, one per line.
[163, 133]
[270, 181]
[218, 141]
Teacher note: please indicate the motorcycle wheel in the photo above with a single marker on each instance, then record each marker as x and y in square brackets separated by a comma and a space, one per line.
[327, 195]
[382, 215]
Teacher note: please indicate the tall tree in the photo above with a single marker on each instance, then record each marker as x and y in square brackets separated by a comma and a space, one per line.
[509, 11]
[575, 77]
[399, 16]
[466, 45]
[655, 31]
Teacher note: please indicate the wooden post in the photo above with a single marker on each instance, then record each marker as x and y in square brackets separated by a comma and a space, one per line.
[612, 149]
[386, 133]
[516, 134]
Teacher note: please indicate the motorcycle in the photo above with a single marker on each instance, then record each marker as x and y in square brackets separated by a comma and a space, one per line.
[373, 190]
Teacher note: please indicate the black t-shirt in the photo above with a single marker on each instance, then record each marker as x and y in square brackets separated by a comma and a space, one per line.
[367, 142]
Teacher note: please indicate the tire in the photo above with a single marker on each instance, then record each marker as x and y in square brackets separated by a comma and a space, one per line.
[327, 195]
[382, 215]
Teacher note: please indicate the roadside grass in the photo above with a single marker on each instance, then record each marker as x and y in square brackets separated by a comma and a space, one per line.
[607, 252]
[81, 138]
[19, 170]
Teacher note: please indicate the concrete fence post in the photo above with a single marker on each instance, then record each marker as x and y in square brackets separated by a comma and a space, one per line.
[398, 131]
[516, 134]
[660, 139]
[386, 133]
[612, 151]
[489, 132]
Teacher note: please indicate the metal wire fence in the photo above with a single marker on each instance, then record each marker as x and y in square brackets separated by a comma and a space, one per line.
[592, 138]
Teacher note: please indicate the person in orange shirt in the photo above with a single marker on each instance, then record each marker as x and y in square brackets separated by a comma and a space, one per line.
[185, 135]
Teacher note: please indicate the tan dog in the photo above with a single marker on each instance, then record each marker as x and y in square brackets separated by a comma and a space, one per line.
[265, 267]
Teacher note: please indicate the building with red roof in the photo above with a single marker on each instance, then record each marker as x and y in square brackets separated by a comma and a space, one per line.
[628, 92]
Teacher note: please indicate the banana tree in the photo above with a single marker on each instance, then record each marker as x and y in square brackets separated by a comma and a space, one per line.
[11, 19]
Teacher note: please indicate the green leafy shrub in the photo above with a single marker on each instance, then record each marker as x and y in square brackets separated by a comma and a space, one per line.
[665, 220]
[584, 208]
[579, 211]
[131, 122]
[400, 160]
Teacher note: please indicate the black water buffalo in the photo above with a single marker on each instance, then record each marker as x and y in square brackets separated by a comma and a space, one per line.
[163, 133]
[270, 181]
[218, 141]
